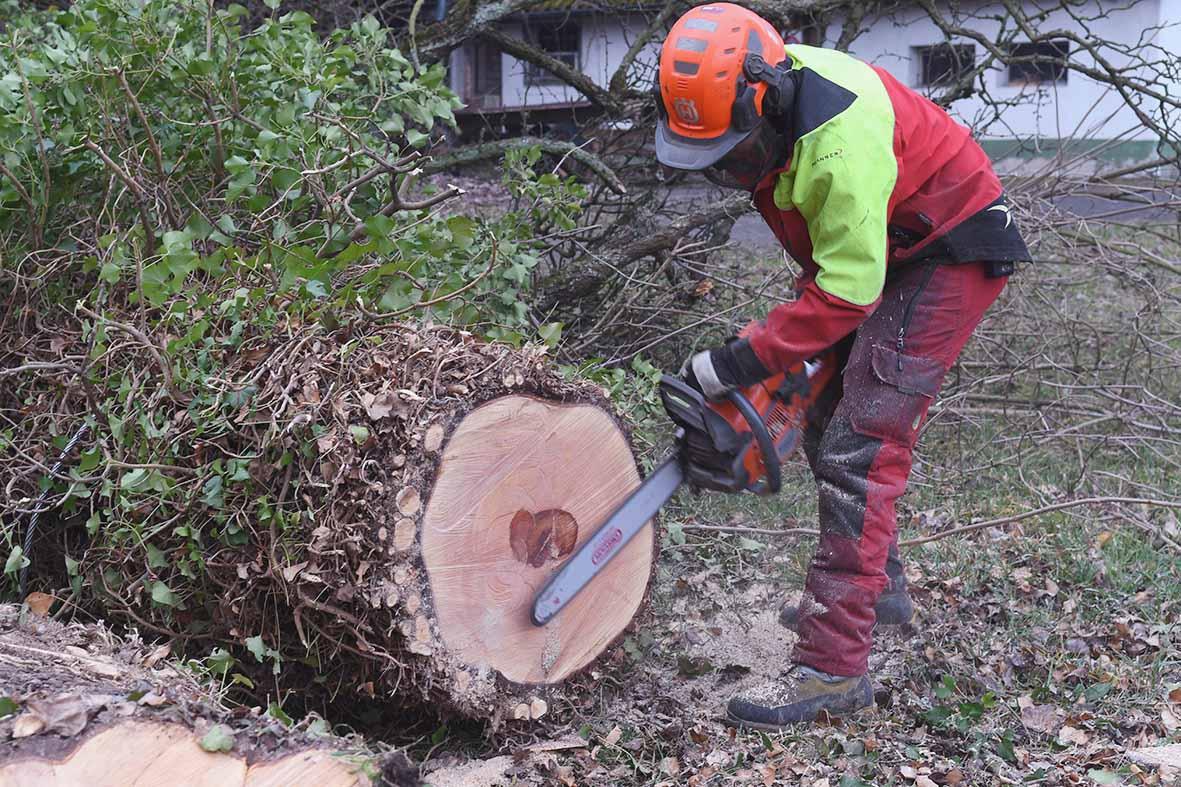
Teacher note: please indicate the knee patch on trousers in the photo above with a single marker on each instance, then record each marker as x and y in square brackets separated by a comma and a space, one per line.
[842, 472]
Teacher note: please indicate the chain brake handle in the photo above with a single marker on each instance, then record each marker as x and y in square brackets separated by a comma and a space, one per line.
[728, 422]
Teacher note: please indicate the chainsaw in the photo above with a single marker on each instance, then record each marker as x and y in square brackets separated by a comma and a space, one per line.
[732, 445]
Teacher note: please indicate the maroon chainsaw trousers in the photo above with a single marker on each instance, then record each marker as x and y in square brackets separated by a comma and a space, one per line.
[861, 442]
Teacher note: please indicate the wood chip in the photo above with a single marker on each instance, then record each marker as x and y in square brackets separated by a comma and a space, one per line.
[408, 501]
[28, 724]
[433, 440]
[422, 629]
[404, 532]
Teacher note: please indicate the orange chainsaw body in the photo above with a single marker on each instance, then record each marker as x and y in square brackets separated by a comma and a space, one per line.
[782, 402]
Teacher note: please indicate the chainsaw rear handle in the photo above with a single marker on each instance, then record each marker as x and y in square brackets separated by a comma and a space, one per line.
[689, 409]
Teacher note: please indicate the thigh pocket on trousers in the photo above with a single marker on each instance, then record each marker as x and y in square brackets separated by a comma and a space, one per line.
[893, 404]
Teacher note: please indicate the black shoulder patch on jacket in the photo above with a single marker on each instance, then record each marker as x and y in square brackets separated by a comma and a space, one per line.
[818, 100]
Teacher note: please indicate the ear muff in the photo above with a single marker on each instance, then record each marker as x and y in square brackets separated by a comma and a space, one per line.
[744, 115]
[780, 81]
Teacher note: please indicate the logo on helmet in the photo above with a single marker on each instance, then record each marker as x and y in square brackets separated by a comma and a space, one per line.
[686, 109]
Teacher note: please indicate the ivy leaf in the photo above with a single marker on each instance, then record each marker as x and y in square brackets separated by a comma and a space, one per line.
[212, 493]
[16, 561]
[276, 712]
[7, 707]
[550, 333]
[416, 138]
[219, 661]
[256, 646]
[220, 737]
[156, 558]
[163, 595]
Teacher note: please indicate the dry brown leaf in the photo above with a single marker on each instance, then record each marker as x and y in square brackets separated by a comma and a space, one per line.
[39, 603]
[157, 655]
[670, 766]
[326, 442]
[1071, 735]
[1043, 718]
[613, 737]
[953, 777]
[1175, 695]
[924, 781]
[378, 406]
[291, 572]
[1170, 720]
[65, 714]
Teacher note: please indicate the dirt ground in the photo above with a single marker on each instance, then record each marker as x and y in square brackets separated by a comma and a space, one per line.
[974, 694]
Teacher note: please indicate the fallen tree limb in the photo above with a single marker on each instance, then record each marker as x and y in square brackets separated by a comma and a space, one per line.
[1008, 520]
[998, 522]
[494, 150]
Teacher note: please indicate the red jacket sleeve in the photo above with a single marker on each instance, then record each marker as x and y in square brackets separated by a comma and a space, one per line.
[806, 327]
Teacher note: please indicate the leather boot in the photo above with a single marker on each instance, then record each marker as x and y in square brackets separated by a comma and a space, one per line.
[801, 694]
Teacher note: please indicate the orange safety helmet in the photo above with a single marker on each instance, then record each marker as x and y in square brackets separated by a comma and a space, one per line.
[709, 102]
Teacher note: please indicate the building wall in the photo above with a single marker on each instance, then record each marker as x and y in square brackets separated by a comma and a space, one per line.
[1079, 108]
[605, 40]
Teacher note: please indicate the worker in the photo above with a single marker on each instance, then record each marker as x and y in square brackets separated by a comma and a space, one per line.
[904, 238]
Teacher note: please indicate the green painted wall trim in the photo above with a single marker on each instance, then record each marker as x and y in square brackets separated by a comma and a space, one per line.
[1106, 150]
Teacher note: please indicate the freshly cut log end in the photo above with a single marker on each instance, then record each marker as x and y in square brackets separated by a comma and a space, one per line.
[147, 752]
[522, 483]
[81, 707]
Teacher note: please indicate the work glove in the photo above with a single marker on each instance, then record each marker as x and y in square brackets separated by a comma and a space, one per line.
[723, 369]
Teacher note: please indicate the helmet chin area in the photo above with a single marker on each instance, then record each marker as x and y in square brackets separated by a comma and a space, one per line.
[749, 161]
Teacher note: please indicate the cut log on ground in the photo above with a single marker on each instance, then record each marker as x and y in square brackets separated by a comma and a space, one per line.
[409, 491]
[80, 707]
[522, 483]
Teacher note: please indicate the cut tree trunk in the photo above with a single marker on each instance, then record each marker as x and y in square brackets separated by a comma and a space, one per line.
[522, 483]
[409, 490]
[81, 707]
